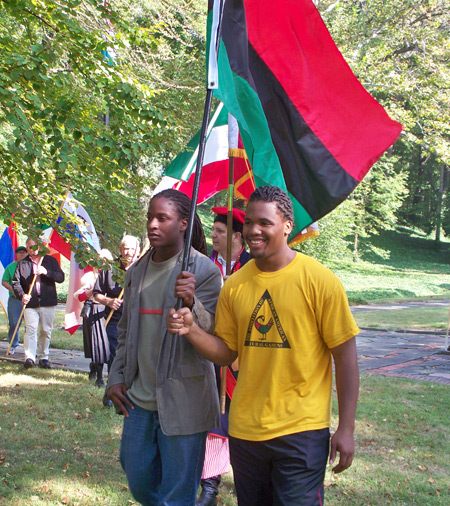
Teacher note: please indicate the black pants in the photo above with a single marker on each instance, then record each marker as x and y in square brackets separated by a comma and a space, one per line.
[285, 471]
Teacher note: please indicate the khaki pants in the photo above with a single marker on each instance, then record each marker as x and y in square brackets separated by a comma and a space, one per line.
[39, 318]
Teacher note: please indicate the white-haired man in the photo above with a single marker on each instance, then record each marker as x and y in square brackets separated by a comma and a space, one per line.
[107, 291]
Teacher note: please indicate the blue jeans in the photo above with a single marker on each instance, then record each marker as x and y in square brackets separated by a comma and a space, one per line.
[14, 309]
[161, 470]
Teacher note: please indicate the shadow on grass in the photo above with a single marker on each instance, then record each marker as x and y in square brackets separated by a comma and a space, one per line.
[62, 443]
[402, 250]
[366, 295]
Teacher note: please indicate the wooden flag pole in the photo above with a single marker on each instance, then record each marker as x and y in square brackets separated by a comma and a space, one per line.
[224, 369]
[6, 314]
[232, 146]
[112, 310]
[36, 275]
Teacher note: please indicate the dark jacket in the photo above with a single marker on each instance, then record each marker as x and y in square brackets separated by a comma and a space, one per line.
[244, 258]
[105, 285]
[23, 278]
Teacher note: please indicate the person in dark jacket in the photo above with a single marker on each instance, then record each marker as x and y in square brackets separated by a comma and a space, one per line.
[106, 291]
[109, 293]
[40, 303]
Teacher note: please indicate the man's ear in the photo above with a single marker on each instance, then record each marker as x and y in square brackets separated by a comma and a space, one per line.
[184, 223]
[237, 236]
[288, 226]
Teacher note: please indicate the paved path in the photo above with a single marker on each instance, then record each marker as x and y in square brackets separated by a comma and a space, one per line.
[400, 305]
[413, 355]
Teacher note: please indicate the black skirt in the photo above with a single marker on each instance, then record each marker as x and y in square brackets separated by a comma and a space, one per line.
[95, 340]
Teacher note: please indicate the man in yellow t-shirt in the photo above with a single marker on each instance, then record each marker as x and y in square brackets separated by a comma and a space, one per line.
[285, 316]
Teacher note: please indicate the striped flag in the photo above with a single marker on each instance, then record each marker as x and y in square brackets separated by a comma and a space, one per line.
[83, 229]
[180, 173]
[307, 124]
[8, 244]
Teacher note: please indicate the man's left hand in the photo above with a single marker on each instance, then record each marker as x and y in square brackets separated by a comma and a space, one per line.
[185, 288]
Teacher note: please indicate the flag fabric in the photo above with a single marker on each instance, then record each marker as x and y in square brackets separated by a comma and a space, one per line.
[60, 240]
[72, 318]
[309, 232]
[8, 244]
[83, 229]
[180, 173]
[307, 124]
[55, 243]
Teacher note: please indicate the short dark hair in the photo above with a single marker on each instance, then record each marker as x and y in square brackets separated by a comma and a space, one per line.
[183, 205]
[237, 227]
[277, 196]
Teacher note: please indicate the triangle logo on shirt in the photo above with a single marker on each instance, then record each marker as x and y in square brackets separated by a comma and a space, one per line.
[265, 330]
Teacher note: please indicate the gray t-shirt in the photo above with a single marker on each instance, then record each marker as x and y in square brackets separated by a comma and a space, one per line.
[154, 289]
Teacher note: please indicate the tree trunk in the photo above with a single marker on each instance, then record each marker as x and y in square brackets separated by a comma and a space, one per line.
[355, 248]
[440, 196]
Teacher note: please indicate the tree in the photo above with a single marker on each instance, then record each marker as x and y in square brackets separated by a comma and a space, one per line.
[71, 112]
[400, 51]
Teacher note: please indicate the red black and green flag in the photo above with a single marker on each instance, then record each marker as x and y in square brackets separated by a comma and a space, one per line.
[307, 124]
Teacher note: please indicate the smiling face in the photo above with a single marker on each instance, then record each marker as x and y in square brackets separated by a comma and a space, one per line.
[266, 231]
[165, 228]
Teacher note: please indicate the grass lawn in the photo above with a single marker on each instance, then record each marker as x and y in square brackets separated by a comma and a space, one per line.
[60, 446]
[396, 265]
[407, 318]
[60, 338]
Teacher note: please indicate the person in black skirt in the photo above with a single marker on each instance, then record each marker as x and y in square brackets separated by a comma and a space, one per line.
[95, 339]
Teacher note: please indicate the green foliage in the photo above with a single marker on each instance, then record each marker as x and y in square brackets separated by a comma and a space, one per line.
[334, 230]
[78, 106]
[401, 454]
[400, 51]
[395, 264]
[407, 318]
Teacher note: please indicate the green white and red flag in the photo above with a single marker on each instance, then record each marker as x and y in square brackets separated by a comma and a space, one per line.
[181, 172]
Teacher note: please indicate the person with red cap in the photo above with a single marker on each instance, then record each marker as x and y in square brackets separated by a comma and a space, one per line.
[217, 457]
[239, 255]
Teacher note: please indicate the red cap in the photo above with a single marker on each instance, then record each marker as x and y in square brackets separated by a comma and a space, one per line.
[238, 215]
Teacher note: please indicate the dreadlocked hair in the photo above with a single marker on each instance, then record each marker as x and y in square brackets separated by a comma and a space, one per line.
[277, 196]
[183, 206]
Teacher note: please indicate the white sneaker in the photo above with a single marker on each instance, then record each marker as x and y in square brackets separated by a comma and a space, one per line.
[12, 351]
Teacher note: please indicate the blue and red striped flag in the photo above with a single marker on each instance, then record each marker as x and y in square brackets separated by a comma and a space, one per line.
[8, 244]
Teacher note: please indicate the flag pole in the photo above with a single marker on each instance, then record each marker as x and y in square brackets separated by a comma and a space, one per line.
[212, 84]
[232, 144]
[35, 276]
[6, 314]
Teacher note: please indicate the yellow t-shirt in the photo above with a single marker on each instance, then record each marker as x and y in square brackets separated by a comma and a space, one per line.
[282, 324]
